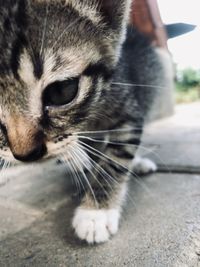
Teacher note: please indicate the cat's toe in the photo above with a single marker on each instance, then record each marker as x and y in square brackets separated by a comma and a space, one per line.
[95, 226]
[143, 165]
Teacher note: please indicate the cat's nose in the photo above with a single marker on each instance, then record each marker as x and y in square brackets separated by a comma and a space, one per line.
[33, 155]
[26, 139]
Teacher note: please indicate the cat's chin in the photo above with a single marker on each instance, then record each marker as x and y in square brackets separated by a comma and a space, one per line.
[9, 160]
[14, 162]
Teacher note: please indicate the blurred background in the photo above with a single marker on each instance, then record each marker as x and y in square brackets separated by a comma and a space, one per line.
[174, 25]
[185, 49]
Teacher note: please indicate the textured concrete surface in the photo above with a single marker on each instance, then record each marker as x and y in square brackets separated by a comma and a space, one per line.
[161, 220]
[174, 142]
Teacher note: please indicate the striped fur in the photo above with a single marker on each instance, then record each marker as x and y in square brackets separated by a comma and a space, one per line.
[43, 42]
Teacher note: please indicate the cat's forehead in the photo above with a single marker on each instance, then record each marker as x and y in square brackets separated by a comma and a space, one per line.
[86, 8]
[64, 23]
[55, 65]
[51, 39]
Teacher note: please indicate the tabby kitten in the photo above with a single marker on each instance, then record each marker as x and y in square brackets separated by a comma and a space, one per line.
[66, 91]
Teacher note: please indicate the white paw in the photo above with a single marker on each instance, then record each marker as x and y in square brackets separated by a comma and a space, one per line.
[143, 165]
[95, 226]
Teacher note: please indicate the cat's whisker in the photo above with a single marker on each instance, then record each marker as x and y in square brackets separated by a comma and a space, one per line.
[139, 85]
[5, 164]
[1, 161]
[147, 150]
[103, 156]
[44, 30]
[80, 167]
[101, 171]
[120, 143]
[109, 180]
[112, 180]
[75, 178]
[89, 169]
[122, 130]
[107, 159]
[65, 161]
[97, 166]
[74, 170]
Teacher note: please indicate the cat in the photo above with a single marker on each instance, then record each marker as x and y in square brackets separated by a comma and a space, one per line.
[72, 87]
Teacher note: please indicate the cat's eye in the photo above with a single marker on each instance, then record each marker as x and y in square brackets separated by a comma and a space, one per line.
[61, 93]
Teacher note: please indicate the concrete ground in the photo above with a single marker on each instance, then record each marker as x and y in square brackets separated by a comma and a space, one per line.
[161, 221]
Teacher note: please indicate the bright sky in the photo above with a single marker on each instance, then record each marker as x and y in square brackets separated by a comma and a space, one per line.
[186, 48]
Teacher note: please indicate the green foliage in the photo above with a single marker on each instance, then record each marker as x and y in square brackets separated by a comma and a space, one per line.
[188, 86]
[187, 79]
[187, 96]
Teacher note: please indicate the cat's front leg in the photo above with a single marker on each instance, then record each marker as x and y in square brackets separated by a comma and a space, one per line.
[97, 217]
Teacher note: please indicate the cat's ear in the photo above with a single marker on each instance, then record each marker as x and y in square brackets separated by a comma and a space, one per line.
[115, 12]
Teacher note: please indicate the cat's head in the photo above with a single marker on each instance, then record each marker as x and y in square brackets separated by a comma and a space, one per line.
[56, 63]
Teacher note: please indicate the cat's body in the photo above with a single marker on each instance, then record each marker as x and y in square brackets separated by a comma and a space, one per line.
[66, 91]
